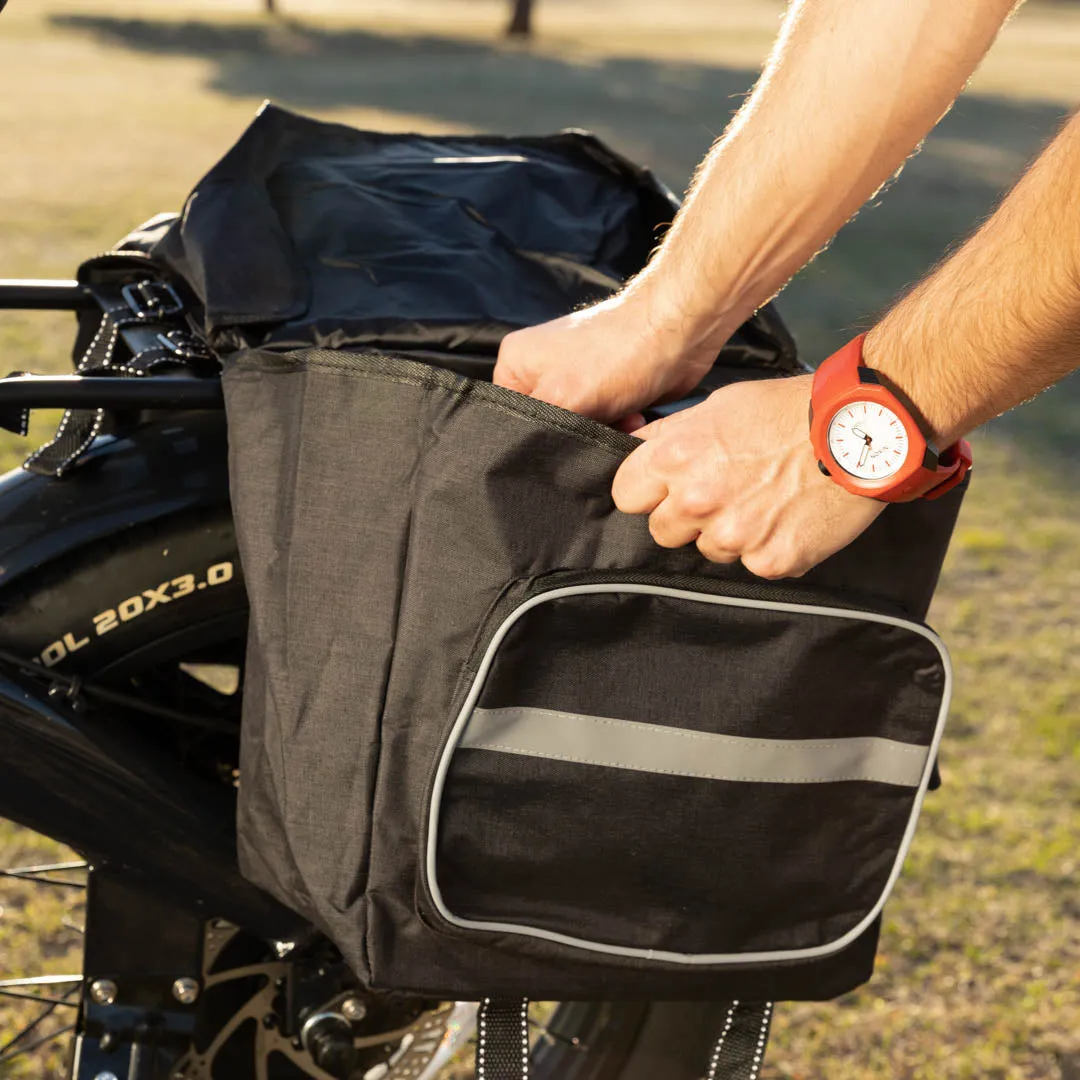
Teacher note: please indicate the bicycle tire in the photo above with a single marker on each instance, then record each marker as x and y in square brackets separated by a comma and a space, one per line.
[43, 615]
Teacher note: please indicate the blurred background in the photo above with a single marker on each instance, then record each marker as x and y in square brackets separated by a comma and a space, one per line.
[112, 110]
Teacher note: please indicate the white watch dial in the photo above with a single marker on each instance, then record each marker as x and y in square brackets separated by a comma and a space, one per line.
[868, 440]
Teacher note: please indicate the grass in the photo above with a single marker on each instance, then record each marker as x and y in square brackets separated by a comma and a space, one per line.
[979, 973]
[114, 111]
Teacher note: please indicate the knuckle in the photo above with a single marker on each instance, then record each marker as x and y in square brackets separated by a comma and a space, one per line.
[672, 452]
[509, 347]
[724, 534]
[695, 500]
[713, 551]
[634, 491]
[662, 532]
[681, 449]
[771, 563]
[716, 556]
[624, 486]
[555, 388]
[762, 566]
[796, 558]
[656, 529]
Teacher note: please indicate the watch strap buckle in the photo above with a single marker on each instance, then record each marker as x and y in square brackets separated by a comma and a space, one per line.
[957, 457]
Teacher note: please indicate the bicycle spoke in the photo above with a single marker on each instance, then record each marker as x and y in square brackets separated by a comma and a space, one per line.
[545, 1031]
[12, 988]
[35, 1023]
[35, 997]
[11, 1055]
[41, 980]
[19, 876]
[39, 874]
[48, 868]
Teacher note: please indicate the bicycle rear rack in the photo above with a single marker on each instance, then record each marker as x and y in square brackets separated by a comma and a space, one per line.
[21, 391]
[34, 295]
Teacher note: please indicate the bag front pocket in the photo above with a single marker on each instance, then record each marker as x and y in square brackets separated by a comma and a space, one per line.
[682, 776]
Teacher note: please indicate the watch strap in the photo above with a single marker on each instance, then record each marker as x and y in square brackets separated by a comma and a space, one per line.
[843, 373]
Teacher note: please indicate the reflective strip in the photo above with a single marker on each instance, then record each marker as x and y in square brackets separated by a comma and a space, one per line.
[764, 956]
[626, 744]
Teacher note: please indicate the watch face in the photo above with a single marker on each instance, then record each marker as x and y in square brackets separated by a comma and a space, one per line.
[868, 440]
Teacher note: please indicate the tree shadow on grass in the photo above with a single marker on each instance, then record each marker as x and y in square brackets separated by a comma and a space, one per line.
[662, 113]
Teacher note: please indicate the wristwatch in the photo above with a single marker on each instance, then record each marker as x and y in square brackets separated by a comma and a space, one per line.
[867, 438]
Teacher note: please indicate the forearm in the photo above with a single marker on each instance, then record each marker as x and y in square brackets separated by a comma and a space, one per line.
[999, 320]
[850, 90]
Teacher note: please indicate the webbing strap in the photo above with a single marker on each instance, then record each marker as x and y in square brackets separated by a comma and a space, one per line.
[502, 1039]
[79, 427]
[740, 1048]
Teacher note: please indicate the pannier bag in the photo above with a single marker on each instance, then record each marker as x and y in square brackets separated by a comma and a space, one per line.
[496, 741]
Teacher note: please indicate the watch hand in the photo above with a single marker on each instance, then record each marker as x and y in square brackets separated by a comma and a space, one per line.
[863, 456]
[860, 433]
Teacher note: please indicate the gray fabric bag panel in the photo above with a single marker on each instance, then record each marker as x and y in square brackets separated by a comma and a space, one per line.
[391, 516]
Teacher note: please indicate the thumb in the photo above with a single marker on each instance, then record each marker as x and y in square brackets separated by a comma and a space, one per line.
[650, 431]
[506, 375]
[631, 424]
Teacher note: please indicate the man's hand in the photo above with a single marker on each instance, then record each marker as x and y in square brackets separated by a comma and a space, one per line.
[737, 476]
[606, 362]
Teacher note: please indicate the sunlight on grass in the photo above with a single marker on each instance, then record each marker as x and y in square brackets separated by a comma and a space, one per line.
[111, 119]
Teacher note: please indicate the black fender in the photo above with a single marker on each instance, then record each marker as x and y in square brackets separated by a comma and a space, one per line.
[73, 775]
[175, 464]
[122, 804]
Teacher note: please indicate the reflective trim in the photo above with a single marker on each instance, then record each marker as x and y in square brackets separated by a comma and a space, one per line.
[627, 744]
[689, 959]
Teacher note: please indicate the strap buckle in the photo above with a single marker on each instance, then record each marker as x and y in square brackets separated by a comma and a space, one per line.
[183, 346]
[150, 299]
[957, 457]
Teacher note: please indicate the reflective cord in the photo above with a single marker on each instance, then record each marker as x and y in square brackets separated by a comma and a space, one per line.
[740, 1049]
[762, 1039]
[502, 1039]
[718, 1049]
[80, 427]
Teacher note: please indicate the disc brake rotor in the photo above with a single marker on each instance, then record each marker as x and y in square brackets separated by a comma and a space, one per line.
[418, 1050]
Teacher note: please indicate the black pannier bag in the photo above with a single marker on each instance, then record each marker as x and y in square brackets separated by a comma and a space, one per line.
[495, 740]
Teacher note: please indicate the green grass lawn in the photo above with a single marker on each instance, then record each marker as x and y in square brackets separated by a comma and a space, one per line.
[112, 111]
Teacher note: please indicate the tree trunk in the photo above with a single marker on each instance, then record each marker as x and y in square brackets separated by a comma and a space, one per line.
[271, 6]
[521, 19]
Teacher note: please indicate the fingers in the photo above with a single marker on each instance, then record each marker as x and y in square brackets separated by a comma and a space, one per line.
[650, 431]
[631, 424]
[641, 483]
[546, 362]
[670, 528]
[505, 374]
[736, 476]
[638, 488]
[713, 551]
[667, 479]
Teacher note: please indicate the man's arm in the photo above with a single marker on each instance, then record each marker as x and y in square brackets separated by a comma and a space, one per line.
[1000, 320]
[996, 323]
[850, 89]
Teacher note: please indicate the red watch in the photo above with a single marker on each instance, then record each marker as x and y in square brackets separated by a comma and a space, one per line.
[867, 440]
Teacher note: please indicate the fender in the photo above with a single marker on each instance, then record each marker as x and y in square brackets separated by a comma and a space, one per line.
[123, 804]
[72, 775]
[176, 463]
